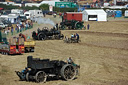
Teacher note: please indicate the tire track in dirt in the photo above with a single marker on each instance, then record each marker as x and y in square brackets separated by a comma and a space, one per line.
[124, 35]
[102, 46]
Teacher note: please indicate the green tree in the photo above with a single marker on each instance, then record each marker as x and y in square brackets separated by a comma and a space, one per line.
[44, 6]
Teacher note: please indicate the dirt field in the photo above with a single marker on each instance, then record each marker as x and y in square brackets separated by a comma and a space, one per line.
[102, 55]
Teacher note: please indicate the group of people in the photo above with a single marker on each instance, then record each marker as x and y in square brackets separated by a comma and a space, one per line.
[23, 26]
[88, 27]
[75, 36]
[18, 28]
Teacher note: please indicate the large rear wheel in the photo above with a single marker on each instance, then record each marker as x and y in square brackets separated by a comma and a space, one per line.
[41, 36]
[40, 76]
[68, 72]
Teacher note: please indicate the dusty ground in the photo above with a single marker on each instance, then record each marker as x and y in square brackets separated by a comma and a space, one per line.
[102, 55]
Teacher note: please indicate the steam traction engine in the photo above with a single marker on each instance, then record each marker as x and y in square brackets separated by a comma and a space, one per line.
[47, 34]
[72, 20]
[39, 70]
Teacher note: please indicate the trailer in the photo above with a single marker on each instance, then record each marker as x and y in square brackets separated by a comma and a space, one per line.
[40, 69]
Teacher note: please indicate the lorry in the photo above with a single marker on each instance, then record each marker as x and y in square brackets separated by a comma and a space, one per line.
[29, 45]
[14, 46]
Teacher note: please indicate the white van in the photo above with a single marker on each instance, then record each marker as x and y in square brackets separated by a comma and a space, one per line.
[28, 14]
[3, 25]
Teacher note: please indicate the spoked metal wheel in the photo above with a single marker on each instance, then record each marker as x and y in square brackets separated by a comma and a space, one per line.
[41, 36]
[68, 72]
[27, 76]
[41, 76]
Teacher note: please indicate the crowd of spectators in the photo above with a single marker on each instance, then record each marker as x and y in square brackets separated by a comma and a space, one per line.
[19, 27]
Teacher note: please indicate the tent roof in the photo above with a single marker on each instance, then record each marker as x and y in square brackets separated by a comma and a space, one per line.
[74, 12]
[91, 12]
[95, 11]
[10, 16]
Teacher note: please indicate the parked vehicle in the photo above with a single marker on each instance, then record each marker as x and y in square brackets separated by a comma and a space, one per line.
[22, 18]
[29, 45]
[18, 11]
[36, 13]
[40, 69]
[3, 25]
[28, 14]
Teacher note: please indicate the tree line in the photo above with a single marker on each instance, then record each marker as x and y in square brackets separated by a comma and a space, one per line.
[46, 7]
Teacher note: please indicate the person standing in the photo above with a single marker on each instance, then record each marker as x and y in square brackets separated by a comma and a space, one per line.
[88, 26]
[85, 27]
[72, 36]
[15, 30]
[8, 31]
[69, 60]
[77, 37]
[57, 26]
[12, 30]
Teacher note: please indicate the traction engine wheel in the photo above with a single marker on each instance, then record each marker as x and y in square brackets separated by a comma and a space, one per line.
[27, 76]
[41, 36]
[68, 72]
[40, 76]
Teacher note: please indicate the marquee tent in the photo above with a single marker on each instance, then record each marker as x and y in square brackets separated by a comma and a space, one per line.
[94, 15]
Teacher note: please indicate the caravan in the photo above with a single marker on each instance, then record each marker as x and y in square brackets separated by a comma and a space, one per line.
[17, 11]
[36, 13]
[33, 13]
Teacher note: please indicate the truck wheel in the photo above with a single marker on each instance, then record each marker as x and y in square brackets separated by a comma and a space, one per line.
[68, 72]
[40, 76]
[26, 50]
[3, 53]
[31, 49]
[6, 53]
